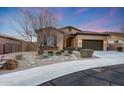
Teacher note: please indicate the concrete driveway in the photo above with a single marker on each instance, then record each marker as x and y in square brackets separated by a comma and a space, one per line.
[103, 76]
[39, 75]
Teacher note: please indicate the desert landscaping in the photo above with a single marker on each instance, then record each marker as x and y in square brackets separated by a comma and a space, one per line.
[31, 59]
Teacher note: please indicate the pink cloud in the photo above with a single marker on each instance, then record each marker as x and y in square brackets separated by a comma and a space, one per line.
[96, 23]
[101, 29]
[81, 10]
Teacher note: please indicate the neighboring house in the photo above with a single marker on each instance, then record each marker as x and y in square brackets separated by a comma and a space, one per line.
[115, 40]
[73, 37]
[9, 44]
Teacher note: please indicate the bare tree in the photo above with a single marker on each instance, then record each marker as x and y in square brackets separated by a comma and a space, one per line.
[31, 24]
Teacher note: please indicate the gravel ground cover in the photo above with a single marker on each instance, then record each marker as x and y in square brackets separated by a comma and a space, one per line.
[31, 59]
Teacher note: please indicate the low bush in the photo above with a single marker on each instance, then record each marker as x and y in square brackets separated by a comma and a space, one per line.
[44, 55]
[10, 64]
[69, 48]
[70, 51]
[79, 48]
[62, 51]
[120, 49]
[51, 53]
[58, 53]
[19, 57]
[86, 53]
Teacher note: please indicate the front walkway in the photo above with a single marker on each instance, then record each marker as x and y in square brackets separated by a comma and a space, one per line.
[38, 75]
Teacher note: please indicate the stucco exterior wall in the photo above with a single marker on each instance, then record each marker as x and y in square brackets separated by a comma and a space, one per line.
[113, 38]
[112, 44]
[92, 37]
[15, 44]
[19, 45]
[59, 34]
[60, 41]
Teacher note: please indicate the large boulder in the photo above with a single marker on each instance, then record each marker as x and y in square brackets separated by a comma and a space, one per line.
[86, 53]
[10, 64]
[120, 49]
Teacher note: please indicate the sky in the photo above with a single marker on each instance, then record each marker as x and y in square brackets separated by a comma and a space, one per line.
[98, 19]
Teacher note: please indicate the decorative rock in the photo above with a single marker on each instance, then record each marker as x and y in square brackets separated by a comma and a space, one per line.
[10, 64]
[32, 62]
[29, 65]
[73, 56]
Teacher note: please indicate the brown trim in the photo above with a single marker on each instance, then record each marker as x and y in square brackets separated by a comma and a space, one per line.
[37, 31]
[71, 27]
[7, 37]
[100, 34]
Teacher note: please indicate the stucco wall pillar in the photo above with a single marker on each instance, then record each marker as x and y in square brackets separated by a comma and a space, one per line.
[79, 42]
[60, 41]
[105, 45]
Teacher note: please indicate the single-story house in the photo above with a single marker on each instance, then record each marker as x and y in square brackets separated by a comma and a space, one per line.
[10, 44]
[63, 38]
[72, 37]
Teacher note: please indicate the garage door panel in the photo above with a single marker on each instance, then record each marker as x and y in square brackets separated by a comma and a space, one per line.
[92, 44]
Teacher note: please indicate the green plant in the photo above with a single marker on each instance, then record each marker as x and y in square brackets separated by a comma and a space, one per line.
[44, 56]
[51, 53]
[120, 49]
[69, 48]
[62, 51]
[79, 48]
[58, 53]
[70, 51]
[86, 53]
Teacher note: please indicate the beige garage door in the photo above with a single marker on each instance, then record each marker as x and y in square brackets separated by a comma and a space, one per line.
[92, 44]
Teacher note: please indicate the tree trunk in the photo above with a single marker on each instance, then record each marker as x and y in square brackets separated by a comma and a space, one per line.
[40, 50]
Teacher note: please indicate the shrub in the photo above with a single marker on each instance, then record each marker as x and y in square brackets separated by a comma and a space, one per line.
[120, 49]
[86, 53]
[79, 48]
[19, 57]
[69, 48]
[58, 53]
[44, 55]
[51, 53]
[70, 51]
[62, 51]
[10, 64]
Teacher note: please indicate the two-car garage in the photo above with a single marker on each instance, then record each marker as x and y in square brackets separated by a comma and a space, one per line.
[92, 41]
[92, 44]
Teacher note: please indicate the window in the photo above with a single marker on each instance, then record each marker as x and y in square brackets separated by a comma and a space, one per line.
[52, 40]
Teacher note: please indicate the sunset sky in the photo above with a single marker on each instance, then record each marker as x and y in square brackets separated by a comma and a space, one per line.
[87, 19]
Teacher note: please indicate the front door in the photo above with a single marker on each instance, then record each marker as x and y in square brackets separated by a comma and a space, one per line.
[68, 42]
